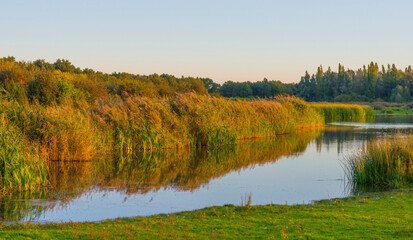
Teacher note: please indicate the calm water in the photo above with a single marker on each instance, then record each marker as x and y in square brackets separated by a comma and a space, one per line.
[291, 168]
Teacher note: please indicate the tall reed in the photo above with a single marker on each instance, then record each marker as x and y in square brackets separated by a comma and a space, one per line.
[20, 168]
[199, 120]
[57, 132]
[384, 162]
[343, 112]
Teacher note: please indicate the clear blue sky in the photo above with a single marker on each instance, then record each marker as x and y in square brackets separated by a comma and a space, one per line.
[224, 40]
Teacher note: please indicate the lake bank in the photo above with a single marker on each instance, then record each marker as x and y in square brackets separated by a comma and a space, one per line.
[369, 216]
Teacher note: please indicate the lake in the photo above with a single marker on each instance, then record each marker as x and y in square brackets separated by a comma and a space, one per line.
[287, 169]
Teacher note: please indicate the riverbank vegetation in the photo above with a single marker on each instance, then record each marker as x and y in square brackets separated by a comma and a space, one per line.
[150, 171]
[124, 127]
[394, 111]
[343, 112]
[61, 113]
[370, 216]
[385, 163]
[20, 168]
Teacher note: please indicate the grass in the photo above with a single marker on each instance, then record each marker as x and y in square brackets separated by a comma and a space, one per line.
[197, 120]
[385, 162]
[394, 111]
[372, 216]
[20, 168]
[343, 112]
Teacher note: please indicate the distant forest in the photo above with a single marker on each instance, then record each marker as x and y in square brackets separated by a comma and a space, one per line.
[63, 83]
[58, 82]
[367, 84]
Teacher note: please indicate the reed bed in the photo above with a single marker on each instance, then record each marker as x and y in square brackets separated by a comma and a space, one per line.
[384, 162]
[197, 120]
[343, 112]
[20, 168]
[125, 127]
[37, 134]
[57, 132]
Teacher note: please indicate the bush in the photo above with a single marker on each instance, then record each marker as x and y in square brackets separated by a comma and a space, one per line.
[16, 92]
[43, 89]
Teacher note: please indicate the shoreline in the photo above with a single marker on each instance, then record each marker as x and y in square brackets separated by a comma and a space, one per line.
[371, 215]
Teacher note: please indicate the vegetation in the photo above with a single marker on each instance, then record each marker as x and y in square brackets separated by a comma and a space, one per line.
[394, 111]
[384, 163]
[20, 168]
[61, 82]
[182, 170]
[67, 114]
[126, 127]
[363, 85]
[34, 81]
[373, 216]
[343, 112]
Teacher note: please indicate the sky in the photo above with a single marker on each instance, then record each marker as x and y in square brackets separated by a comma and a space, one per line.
[224, 40]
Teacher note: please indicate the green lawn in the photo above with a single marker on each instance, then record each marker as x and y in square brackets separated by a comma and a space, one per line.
[374, 216]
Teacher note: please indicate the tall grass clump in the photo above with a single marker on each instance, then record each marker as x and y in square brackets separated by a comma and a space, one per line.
[192, 120]
[20, 168]
[57, 132]
[384, 162]
[343, 112]
[214, 121]
[139, 123]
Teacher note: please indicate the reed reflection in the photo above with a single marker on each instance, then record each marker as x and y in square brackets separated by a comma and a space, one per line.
[181, 170]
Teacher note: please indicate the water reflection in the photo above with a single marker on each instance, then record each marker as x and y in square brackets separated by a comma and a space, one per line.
[294, 168]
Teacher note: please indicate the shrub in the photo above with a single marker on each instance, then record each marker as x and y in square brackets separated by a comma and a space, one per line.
[16, 92]
[43, 89]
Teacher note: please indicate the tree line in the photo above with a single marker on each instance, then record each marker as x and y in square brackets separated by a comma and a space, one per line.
[58, 82]
[369, 83]
[61, 82]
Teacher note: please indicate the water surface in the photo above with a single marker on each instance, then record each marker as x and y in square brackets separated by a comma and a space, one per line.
[291, 169]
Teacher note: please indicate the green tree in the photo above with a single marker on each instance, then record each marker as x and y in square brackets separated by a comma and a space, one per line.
[371, 75]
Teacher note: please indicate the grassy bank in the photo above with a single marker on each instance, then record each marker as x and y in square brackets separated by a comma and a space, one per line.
[343, 112]
[385, 162]
[373, 216]
[393, 111]
[389, 108]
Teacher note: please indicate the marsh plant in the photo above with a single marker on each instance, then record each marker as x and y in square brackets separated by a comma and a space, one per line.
[386, 162]
[20, 168]
[343, 112]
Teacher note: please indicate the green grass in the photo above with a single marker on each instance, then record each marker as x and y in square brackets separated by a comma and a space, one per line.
[393, 111]
[384, 162]
[372, 216]
[20, 168]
